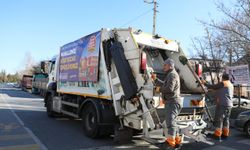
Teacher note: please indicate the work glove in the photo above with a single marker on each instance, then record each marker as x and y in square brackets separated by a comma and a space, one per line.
[153, 76]
[157, 89]
[203, 81]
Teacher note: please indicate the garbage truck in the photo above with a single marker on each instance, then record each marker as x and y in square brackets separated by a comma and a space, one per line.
[39, 83]
[40, 78]
[104, 79]
[26, 82]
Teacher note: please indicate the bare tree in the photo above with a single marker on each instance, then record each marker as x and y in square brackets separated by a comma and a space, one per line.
[209, 50]
[229, 38]
[233, 32]
[3, 77]
[28, 63]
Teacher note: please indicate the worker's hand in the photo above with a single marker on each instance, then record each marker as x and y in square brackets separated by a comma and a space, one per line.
[203, 81]
[158, 89]
[164, 101]
[153, 76]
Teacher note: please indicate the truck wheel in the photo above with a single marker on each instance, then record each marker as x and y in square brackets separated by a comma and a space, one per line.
[247, 129]
[89, 121]
[49, 106]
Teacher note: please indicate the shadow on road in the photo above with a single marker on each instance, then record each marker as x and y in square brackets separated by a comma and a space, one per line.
[14, 92]
[59, 133]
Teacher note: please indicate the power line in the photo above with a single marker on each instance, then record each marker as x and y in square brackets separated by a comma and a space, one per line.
[136, 18]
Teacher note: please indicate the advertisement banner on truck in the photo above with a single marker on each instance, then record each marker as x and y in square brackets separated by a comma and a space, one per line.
[238, 74]
[79, 60]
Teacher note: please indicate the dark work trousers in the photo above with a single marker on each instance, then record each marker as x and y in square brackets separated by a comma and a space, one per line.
[222, 115]
[172, 110]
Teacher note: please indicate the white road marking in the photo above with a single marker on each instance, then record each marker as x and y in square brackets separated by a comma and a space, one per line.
[42, 146]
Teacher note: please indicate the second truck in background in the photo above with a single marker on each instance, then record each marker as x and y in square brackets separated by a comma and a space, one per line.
[39, 83]
[26, 83]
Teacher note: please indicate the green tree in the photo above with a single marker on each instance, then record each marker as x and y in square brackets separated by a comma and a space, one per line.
[3, 77]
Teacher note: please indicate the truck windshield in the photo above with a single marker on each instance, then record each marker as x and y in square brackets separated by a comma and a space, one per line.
[52, 66]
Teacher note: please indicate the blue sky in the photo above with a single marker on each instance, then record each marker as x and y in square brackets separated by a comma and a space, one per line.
[38, 28]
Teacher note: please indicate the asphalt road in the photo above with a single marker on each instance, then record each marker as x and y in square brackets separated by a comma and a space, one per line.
[66, 134]
[55, 133]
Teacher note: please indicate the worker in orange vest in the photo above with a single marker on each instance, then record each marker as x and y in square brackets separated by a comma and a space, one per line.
[224, 104]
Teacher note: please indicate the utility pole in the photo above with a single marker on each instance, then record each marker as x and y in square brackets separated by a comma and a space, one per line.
[154, 16]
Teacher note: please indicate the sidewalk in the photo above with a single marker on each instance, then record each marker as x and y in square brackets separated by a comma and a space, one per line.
[13, 134]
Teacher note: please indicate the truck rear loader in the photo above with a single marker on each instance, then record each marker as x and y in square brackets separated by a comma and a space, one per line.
[105, 79]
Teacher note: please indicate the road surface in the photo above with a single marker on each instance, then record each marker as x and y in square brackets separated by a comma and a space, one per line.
[24, 124]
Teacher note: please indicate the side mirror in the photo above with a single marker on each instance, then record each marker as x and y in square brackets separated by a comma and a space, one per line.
[43, 66]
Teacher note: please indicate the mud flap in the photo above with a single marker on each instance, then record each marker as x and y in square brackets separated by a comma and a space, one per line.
[124, 71]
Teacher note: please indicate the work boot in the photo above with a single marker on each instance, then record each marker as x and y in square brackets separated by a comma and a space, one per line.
[178, 141]
[225, 133]
[170, 142]
[217, 134]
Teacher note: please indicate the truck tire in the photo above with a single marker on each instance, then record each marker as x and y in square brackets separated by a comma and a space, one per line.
[49, 106]
[90, 121]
